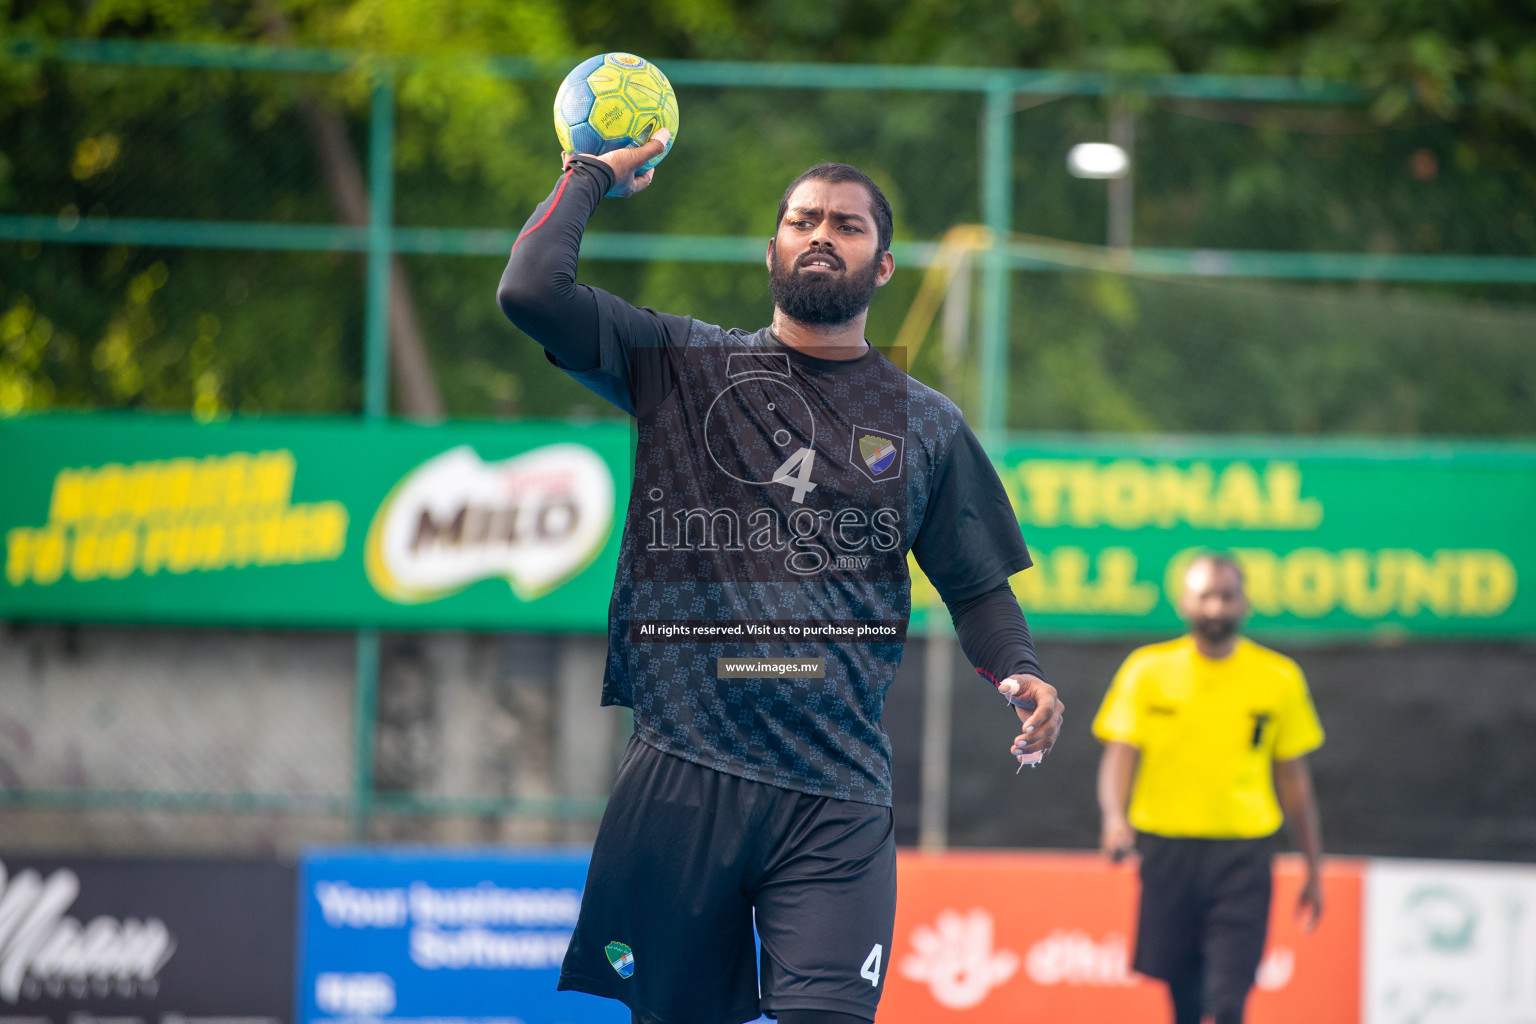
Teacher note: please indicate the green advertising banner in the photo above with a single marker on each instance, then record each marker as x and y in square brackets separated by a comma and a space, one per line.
[1336, 538]
[322, 522]
[336, 523]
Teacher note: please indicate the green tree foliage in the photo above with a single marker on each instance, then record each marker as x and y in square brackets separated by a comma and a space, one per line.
[1441, 160]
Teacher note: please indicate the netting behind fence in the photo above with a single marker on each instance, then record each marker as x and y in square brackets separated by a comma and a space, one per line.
[1121, 353]
[221, 331]
[216, 739]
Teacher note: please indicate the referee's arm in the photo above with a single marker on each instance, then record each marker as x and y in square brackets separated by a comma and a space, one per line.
[1293, 787]
[1117, 770]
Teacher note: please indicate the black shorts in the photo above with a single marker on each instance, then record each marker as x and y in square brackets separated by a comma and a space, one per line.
[684, 857]
[1204, 910]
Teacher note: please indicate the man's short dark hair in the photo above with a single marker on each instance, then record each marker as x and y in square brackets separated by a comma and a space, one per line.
[837, 174]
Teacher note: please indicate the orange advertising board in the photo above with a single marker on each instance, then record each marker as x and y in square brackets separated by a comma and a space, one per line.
[994, 937]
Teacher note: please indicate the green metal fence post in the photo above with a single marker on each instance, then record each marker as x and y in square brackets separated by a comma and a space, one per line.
[381, 159]
[997, 214]
[364, 709]
[381, 189]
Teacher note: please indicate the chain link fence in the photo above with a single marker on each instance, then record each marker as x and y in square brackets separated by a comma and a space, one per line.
[194, 237]
[217, 740]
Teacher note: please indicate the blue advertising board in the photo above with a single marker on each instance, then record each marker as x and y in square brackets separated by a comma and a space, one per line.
[411, 936]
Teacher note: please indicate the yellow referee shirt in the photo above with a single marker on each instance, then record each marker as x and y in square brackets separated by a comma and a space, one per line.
[1208, 732]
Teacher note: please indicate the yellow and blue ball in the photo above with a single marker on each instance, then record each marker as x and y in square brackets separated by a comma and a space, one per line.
[612, 101]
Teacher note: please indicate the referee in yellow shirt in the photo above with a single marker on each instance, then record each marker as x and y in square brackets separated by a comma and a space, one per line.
[1200, 734]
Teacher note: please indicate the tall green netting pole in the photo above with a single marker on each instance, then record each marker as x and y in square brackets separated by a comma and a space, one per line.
[381, 149]
[381, 198]
[997, 214]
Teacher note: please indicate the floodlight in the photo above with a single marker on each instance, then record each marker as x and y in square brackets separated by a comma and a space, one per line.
[1098, 160]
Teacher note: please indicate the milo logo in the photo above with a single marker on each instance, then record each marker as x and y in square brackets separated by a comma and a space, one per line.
[535, 520]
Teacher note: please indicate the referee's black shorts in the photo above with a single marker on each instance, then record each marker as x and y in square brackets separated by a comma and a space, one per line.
[1204, 911]
[684, 857]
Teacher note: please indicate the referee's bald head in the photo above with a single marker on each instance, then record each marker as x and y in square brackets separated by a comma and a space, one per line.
[1213, 602]
[1213, 562]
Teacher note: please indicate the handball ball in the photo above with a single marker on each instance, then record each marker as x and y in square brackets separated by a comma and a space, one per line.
[612, 101]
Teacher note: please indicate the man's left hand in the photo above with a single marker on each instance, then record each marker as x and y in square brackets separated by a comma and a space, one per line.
[1038, 708]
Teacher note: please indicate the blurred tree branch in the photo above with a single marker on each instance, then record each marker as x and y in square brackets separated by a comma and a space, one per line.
[415, 385]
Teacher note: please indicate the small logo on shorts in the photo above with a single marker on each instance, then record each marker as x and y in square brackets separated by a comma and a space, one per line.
[622, 958]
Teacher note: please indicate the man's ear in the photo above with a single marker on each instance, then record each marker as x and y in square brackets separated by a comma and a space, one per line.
[887, 268]
[768, 260]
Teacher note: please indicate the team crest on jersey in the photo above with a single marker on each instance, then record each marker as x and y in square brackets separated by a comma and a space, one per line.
[622, 958]
[877, 454]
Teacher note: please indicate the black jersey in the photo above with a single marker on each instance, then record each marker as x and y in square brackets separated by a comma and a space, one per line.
[776, 497]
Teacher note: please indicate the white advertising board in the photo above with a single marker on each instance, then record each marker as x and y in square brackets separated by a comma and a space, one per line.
[1449, 942]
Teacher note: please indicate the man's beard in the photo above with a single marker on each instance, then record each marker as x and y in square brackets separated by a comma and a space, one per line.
[821, 297]
[1216, 630]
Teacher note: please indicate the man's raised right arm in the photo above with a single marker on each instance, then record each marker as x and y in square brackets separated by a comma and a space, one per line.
[585, 331]
[538, 290]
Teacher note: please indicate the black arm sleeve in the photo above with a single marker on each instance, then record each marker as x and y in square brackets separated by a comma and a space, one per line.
[994, 635]
[614, 349]
[538, 290]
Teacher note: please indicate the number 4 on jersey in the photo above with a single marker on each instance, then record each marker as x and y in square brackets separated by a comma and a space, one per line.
[796, 474]
[871, 969]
